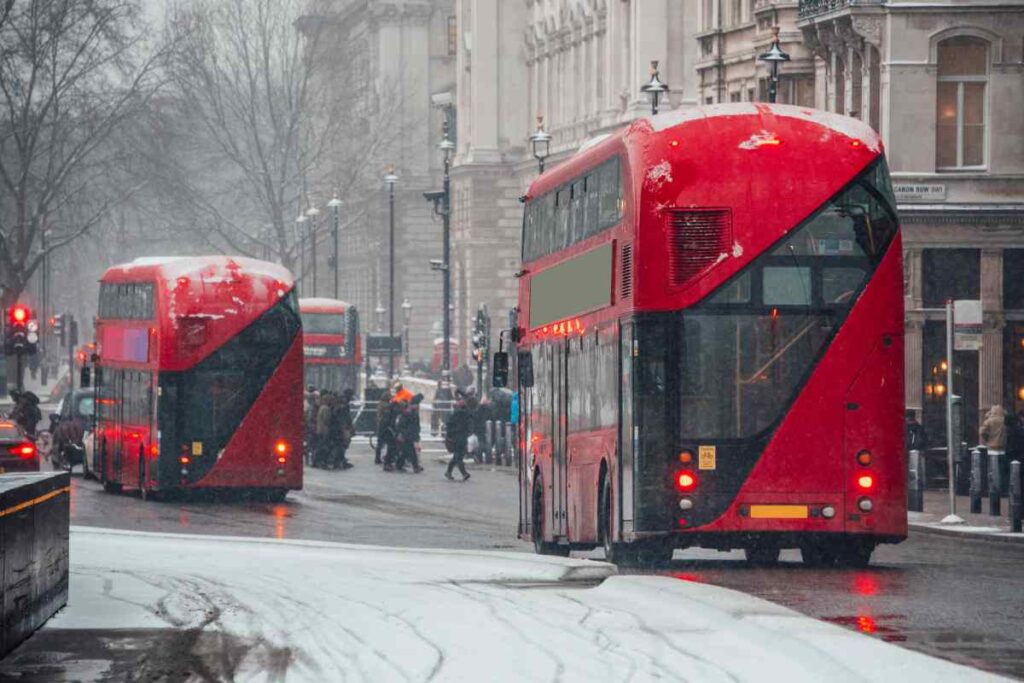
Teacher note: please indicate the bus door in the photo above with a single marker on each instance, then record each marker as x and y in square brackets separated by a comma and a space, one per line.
[558, 436]
[623, 488]
[117, 447]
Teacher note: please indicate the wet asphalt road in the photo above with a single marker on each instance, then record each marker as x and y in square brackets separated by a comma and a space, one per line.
[957, 599]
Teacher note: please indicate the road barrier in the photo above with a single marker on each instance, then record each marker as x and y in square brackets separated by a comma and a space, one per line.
[995, 486]
[1016, 501]
[34, 527]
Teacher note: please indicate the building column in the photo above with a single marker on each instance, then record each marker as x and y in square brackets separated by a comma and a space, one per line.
[990, 358]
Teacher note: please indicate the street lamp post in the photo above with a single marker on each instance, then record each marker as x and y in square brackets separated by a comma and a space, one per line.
[541, 141]
[654, 87]
[447, 147]
[300, 227]
[335, 206]
[312, 212]
[407, 318]
[774, 56]
[391, 179]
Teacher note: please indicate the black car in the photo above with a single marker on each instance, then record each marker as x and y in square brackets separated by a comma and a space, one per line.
[17, 452]
[72, 421]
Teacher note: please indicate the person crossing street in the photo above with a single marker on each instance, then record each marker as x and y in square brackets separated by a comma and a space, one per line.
[457, 430]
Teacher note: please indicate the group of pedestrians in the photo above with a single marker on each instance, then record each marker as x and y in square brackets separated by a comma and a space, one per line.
[328, 428]
[398, 430]
[26, 412]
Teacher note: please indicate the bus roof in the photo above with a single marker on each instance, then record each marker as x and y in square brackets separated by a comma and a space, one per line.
[209, 269]
[321, 304]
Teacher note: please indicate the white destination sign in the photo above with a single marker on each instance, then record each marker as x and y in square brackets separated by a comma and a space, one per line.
[967, 325]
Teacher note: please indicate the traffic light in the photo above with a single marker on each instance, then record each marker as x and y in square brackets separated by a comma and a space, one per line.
[58, 327]
[21, 335]
[481, 335]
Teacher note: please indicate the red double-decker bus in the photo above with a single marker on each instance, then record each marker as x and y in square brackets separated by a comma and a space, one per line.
[199, 376]
[711, 341]
[331, 345]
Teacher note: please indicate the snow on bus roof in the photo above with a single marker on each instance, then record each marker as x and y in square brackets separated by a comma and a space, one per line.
[323, 301]
[172, 267]
[845, 125]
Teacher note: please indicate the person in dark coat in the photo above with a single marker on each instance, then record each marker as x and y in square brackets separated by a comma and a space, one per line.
[443, 398]
[407, 434]
[916, 439]
[341, 430]
[26, 411]
[458, 427]
[385, 426]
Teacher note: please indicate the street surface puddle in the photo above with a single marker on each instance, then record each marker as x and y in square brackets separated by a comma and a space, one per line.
[871, 626]
[52, 655]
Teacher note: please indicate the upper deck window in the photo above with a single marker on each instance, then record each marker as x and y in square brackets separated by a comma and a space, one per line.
[126, 301]
[323, 323]
[581, 208]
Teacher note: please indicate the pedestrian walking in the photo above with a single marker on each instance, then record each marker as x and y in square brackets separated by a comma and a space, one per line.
[322, 454]
[341, 430]
[26, 411]
[407, 430]
[993, 430]
[443, 398]
[458, 428]
[384, 425]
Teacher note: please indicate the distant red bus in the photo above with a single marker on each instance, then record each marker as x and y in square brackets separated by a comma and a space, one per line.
[711, 341]
[199, 377]
[437, 357]
[331, 343]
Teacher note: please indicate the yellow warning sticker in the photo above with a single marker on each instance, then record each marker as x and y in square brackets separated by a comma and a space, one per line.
[197, 448]
[706, 458]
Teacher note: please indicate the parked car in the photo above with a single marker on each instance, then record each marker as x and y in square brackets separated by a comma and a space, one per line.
[17, 452]
[72, 427]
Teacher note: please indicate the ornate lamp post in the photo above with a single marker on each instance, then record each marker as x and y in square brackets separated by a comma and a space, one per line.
[774, 56]
[300, 227]
[335, 206]
[407, 318]
[391, 179]
[654, 87]
[541, 142]
[447, 147]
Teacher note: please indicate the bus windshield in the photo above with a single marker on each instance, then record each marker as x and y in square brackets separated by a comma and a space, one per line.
[323, 323]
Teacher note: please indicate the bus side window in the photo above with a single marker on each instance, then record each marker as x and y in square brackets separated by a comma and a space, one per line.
[611, 192]
[592, 191]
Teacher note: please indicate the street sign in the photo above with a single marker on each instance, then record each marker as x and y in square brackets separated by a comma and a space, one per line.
[967, 325]
[383, 345]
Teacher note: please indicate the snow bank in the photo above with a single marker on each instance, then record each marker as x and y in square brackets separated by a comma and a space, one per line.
[348, 612]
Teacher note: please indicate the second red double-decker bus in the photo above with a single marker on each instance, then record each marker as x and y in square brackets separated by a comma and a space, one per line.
[711, 341]
[199, 376]
[331, 345]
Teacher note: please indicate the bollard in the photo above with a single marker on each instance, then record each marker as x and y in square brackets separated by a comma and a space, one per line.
[1016, 493]
[994, 485]
[500, 442]
[915, 484]
[976, 480]
[488, 440]
[984, 468]
[963, 471]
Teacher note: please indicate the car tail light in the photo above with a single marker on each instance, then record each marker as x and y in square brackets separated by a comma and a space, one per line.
[23, 450]
[865, 482]
[281, 447]
[686, 480]
[864, 458]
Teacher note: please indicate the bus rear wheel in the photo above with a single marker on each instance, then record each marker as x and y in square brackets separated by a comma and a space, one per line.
[540, 546]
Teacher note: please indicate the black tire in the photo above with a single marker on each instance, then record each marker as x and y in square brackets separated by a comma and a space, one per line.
[854, 553]
[112, 487]
[276, 495]
[818, 555]
[622, 554]
[540, 546]
[762, 555]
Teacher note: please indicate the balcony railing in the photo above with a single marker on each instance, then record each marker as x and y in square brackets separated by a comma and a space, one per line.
[810, 8]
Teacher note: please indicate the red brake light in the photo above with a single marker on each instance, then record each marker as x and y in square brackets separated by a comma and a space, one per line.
[281, 459]
[185, 460]
[24, 451]
[281, 447]
[19, 314]
[866, 482]
[864, 458]
[686, 480]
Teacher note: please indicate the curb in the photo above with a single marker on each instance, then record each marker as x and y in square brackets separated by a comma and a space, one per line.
[993, 537]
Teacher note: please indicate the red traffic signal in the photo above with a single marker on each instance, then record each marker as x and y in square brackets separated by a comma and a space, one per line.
[19, 314]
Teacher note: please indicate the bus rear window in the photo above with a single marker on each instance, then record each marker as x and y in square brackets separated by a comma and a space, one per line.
[323, 323]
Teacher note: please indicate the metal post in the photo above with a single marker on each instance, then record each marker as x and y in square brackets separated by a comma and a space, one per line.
[391, 274]
[334, 239]
[1016, 503]
[994, 485]
[976, 481]
[950, 442]
[915, 490]
[446, 360]
[312, 248]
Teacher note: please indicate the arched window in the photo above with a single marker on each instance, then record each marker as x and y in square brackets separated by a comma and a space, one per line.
[961, 110]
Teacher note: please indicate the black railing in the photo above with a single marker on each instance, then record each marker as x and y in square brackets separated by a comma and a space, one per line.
[810, 8]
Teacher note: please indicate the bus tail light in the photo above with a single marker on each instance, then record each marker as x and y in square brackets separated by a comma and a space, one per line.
[686, 480]
[865, 482]
[864, 458]
[185, 460]
[864, 504]
[23, 451]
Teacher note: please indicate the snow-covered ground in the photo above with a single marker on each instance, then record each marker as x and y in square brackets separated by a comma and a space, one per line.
[308, 611]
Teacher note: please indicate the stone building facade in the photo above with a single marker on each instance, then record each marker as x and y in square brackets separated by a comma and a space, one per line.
[731, 34]
[392, 56]
[577, 63]
[944, 84]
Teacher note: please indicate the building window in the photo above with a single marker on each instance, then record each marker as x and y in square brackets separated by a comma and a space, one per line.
[453, 36]
[735, 96]
[960, 109]
[950, 274]
[1013, 278]
[736, 12]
